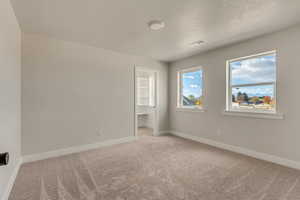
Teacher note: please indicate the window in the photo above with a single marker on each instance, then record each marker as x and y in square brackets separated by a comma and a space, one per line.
[190, 88]
[251, 85]
[145, 89]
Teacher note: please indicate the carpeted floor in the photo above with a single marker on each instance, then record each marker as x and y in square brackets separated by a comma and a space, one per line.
[156, 168]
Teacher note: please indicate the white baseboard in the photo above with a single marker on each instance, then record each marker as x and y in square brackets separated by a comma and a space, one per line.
[11, 180]
[241, 150]
[76, 149]
[164, 132]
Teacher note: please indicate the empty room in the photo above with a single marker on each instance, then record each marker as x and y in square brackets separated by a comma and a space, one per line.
[149, 100]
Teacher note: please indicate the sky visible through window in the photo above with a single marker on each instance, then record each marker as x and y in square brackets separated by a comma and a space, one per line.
[253, 83]
[192, 84]
[254, 70]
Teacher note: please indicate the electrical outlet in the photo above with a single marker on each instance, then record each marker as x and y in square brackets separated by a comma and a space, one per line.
[4, 158]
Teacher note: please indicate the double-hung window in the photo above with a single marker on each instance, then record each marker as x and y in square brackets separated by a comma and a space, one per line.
[251, 83]
[190, 88]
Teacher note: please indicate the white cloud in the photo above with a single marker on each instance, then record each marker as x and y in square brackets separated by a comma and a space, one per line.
[187, 92]
[255, 91]
[254, 70]
[194, 86]
[188, 77]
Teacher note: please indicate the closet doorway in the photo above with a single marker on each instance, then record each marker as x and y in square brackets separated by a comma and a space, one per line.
[146, 109]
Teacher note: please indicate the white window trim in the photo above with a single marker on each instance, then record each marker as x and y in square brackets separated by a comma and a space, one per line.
[191, 109]
[250, 113]
[259, 115]
[179, 106]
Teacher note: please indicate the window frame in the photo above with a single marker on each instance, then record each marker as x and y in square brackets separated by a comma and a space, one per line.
[179, 105]
[229, 86]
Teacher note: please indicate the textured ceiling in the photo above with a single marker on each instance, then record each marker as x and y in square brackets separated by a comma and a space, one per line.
[121, 25]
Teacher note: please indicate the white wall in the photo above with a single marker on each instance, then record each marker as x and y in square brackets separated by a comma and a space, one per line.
[276, 137]
[10, 90]
[71, 92]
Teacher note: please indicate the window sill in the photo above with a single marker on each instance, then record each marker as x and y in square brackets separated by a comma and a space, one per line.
[181, 109]
[254, 114]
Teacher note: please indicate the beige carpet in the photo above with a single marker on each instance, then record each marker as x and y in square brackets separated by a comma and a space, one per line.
[156, 168]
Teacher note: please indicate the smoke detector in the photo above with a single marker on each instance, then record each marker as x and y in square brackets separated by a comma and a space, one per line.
[156, 25]
[197, 43]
